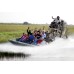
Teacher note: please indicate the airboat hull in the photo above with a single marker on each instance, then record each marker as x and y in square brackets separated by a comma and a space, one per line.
[26, 44]
[21, 43]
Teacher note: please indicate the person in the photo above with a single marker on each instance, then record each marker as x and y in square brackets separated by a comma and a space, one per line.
[38, 35]
[43, 35]
[31, 38]
[35, 33]
[35, 41]
[28, 31]
[47, 33]
[22, 38]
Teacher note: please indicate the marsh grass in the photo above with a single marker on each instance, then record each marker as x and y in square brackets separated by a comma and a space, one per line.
[11, 31]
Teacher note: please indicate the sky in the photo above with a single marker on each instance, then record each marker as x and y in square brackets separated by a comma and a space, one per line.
[36, 11]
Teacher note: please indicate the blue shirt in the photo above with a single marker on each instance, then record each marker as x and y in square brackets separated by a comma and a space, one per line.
[31, 37]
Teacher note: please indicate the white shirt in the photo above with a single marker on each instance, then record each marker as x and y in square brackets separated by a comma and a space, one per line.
[43, 36]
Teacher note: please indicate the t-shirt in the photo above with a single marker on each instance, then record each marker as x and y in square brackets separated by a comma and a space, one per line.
[31, 37]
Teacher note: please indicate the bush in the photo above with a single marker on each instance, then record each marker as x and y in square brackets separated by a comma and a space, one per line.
[26, 23]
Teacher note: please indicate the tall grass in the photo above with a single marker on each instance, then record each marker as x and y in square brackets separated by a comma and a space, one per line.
[11, 31]
[12, 27]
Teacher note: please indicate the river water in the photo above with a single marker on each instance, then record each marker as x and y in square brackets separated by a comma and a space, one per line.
[58, 50]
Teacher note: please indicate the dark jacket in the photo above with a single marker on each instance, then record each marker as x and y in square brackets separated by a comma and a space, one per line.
[28, 32]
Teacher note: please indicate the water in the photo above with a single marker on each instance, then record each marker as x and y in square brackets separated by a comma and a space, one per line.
[60, 49]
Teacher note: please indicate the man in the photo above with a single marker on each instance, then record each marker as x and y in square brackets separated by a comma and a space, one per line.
[31, 38]
[38, 35]
[43, 35]
[22, 38]
[28, 31]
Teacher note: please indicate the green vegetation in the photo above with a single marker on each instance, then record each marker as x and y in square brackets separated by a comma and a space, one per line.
[70, 29]
[11, 31]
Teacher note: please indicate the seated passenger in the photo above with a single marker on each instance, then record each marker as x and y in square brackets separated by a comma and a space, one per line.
[35, 41]
[31, 38]
[21, 38]
[38, 35]
[35, 33]
[43, 35]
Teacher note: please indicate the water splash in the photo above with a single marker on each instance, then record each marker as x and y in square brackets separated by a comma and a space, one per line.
[61, 49]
